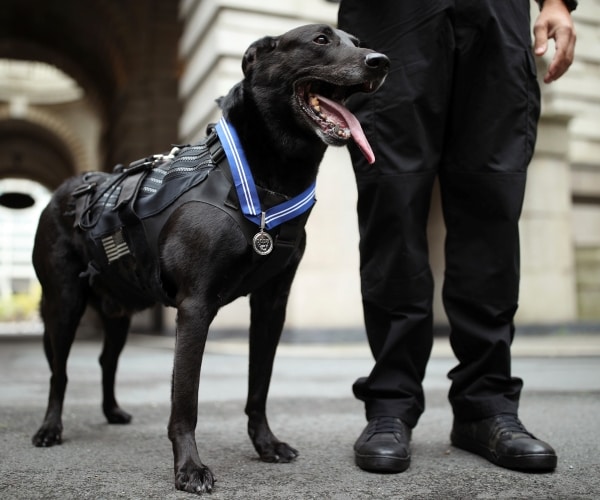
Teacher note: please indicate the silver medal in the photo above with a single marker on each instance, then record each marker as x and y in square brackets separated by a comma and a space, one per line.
[262, 241]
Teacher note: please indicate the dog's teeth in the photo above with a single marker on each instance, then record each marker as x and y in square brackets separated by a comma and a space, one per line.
[314, 103]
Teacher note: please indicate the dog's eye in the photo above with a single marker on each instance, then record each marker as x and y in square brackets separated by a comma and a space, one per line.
[321, 40]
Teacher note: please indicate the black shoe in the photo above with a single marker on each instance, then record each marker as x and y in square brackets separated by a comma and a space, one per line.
[383, 446]
[504, 441]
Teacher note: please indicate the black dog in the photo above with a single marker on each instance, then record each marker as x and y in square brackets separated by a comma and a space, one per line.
[191, 229]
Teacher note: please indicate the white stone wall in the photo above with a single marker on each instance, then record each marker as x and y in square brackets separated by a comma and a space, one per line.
[326, 292]
[548, 293]
[576, 96]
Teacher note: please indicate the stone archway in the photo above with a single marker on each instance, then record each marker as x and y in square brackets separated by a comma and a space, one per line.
[31, 151]
[122, 54]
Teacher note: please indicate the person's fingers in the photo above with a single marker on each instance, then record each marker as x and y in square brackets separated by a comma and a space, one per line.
[559, 28]
[564, 40]
[540, 32]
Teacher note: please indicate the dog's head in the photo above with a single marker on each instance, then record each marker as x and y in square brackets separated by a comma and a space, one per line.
[315, 68]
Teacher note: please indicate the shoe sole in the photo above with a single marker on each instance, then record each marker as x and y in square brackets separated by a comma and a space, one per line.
[374, 463]
[537, 462]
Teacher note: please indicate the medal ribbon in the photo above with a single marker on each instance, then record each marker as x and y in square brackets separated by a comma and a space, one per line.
[246, 189]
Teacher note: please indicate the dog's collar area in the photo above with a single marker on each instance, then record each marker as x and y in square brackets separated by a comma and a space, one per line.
[246, 190]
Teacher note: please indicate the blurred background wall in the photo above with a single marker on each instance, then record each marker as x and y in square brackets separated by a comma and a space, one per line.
[87, 85]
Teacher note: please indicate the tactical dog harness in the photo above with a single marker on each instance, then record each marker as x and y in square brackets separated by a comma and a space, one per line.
[123, 213]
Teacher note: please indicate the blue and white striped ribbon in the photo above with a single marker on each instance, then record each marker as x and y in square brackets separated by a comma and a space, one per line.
[246, 189]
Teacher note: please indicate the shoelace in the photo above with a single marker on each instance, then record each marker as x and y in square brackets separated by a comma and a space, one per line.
[510, 423]
[382, 425]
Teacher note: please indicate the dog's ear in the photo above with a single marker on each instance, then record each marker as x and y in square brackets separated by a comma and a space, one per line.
[266, 44]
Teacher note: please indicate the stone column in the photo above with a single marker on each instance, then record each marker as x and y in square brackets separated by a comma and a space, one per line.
[548, 291]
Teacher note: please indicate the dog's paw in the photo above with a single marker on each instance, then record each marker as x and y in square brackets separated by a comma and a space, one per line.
[278, 452]
[47, 436]
[117, 416]
[194, 478]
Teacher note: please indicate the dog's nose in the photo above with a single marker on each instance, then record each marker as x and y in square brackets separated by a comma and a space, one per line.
[376, 60]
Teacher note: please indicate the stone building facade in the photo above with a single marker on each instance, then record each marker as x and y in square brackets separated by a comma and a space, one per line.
[149, 71]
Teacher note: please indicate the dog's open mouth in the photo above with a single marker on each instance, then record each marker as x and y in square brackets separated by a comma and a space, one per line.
[323, 103]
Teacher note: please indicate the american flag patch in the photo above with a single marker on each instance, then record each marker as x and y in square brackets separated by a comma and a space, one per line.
[115, 246]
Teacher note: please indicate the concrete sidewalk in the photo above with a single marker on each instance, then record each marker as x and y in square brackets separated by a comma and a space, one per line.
[311, 407]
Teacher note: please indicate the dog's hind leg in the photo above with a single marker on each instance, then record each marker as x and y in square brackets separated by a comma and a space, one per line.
[115, 335]
[268, 307]
[61, 311]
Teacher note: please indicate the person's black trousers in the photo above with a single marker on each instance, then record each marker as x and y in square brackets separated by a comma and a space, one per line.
[461, 102]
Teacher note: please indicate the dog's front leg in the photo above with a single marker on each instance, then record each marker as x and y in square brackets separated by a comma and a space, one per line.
[192, 328]
[268, 306]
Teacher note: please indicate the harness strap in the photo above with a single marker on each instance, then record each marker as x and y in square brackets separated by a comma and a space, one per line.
[129, 189]
[85, 204]
[83, 194]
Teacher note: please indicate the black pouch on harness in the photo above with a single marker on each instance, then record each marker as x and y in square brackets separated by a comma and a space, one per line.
[110, 239]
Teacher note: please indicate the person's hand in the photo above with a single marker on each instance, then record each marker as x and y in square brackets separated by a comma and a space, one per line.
[555, 22]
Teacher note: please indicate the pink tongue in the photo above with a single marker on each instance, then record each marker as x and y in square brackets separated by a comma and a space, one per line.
[332, 107]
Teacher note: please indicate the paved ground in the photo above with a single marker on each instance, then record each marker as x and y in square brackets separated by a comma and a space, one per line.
[311, 407]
